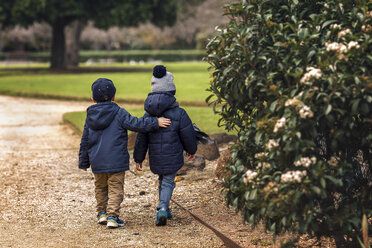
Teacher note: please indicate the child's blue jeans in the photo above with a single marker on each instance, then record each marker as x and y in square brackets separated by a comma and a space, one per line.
[166, 186]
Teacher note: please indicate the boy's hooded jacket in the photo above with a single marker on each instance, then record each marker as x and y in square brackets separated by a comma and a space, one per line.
[166, 145]
[104, 141]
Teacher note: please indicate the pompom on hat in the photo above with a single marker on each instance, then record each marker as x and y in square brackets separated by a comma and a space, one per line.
[162, 80]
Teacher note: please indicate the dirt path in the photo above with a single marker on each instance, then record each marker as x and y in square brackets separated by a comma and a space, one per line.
[45, 201]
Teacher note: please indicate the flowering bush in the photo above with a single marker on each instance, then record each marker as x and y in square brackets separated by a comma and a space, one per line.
[294, 78]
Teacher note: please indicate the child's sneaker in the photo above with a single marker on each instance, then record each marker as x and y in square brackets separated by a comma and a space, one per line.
[169, 214]
[102, 218]
[161, 218]
[114, 222]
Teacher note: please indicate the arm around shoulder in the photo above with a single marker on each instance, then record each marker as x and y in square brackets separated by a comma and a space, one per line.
[142, 124]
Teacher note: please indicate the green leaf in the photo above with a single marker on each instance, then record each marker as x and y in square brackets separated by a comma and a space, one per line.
[328, 109]
[273, 227]
[257, 138]
[316, 190]
[335, 181]
[303, 33]
[253, 194]
[354, 106]
[323, 182]
[251, 219]
[364, 109]
[311, 54]
[327, 23]
[273, 105]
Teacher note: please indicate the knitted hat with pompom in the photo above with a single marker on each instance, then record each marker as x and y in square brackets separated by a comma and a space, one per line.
[162, 80]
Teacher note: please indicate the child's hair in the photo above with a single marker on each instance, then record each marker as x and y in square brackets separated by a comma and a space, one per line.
[103, 90]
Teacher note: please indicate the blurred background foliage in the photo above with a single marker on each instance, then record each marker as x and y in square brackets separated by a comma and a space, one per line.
[194, 24]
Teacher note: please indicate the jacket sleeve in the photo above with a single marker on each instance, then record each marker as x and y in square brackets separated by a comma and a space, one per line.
[140, 148]
[143, 124]
[187, 134]
[83, 152]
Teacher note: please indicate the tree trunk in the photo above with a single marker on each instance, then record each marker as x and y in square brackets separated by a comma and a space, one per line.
[58, 53]
[73, 44]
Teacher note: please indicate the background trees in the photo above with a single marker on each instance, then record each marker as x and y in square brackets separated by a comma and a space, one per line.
[294, 78]
[104, 13]
[195, 23]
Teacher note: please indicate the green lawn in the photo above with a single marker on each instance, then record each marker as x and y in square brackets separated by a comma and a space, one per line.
[203, 117]
[191, 79]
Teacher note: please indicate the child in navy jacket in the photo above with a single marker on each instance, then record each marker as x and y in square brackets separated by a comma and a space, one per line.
[104, 147]
[165, 146]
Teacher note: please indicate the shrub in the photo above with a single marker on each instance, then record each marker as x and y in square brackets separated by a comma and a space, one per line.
[294, 78]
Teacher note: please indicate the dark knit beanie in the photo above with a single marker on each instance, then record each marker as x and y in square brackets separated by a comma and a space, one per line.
[103, 90]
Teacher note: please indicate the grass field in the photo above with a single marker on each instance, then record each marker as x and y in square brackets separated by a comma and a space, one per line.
[203, 117]
[191, 79]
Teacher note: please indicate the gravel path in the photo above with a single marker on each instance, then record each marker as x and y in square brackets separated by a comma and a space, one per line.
[45, 201]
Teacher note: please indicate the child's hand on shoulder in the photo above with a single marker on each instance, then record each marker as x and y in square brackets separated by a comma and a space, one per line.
[163, 122]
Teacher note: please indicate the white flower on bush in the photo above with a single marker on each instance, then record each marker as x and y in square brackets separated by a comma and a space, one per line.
[367, 28]
[266, 165]
[336, 47]
[353, 44]
[272, 144]
[292, 102]
[299, 95]
[343, 33]
[335, 26]
[333, 161]
[249, 176]
[271, 187]
[293, 176]
[313, 160]
[343, 48]
[260, 155]
[311, 72]
[305, 162]
[332, 46]
[305, 112]
[279, 124]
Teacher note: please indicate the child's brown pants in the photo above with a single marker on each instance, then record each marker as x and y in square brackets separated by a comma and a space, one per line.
[109, 189]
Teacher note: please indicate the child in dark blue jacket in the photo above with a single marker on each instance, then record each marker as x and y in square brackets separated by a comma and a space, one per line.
[165, 146]
[104, 147]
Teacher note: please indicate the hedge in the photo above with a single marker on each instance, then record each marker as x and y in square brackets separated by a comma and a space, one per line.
[118, 56]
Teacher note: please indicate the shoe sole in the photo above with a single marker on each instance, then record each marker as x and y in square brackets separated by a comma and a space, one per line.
[104, 222]
[113, 225]
[162, 221]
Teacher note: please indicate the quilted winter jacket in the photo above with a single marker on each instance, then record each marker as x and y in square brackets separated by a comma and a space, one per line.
[104, 142]
[166, 145]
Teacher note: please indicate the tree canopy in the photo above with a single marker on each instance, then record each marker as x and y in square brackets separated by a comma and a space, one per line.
[104, 13]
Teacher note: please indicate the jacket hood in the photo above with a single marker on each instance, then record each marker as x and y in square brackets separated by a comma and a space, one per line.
[158, 102]
[100, 115]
